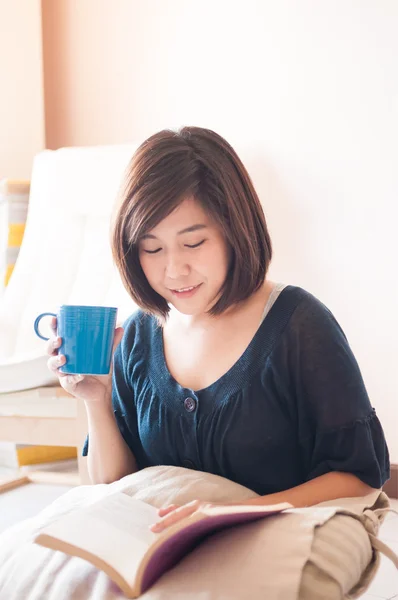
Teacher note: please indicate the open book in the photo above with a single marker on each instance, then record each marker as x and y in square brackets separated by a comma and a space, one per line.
[114, 535]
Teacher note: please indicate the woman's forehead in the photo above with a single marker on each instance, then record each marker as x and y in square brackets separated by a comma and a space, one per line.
[190, 214]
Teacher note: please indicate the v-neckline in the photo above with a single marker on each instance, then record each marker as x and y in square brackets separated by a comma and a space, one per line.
[234, 371]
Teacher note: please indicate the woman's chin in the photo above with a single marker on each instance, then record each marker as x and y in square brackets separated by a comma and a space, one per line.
[188, 308]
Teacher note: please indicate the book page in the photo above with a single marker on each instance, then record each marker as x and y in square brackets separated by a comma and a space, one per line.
[115, 529]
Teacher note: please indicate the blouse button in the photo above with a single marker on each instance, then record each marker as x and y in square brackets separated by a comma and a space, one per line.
[190, 404]
[188, 464]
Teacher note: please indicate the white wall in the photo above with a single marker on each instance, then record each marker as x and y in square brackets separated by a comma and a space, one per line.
[308, 92]
[21, 87]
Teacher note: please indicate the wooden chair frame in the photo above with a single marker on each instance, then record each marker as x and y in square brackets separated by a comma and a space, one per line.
[44, 416]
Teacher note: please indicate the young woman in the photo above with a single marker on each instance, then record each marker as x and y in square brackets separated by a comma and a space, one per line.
[221, 370]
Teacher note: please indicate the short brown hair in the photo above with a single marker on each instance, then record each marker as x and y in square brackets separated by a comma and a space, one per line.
[169, 167]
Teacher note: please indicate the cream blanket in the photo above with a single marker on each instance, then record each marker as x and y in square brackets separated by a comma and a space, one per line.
[281, 557]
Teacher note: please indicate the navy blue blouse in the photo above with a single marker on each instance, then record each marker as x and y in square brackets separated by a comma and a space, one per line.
[293, 407]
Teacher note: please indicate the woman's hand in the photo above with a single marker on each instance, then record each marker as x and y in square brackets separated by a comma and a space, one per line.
[174, 513]
[84, 387]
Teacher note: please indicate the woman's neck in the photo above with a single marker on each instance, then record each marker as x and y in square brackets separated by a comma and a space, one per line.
[256, 301]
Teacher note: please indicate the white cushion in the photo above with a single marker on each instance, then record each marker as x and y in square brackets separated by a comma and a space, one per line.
[25, 372]
[65, 257]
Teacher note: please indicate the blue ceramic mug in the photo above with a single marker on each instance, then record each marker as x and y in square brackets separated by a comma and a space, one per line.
[87, 334]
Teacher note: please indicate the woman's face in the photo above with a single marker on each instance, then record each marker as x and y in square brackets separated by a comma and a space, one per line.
[185, 258]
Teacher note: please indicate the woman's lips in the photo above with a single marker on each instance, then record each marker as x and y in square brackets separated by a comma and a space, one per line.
[186, 292]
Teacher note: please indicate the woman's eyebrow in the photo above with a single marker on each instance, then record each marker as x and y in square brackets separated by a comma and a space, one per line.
[150, 236]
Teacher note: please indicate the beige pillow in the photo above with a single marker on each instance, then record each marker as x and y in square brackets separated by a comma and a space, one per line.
[339, 563]
[319, 552]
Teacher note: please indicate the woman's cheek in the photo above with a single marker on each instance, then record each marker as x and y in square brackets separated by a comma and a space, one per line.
[148, 266]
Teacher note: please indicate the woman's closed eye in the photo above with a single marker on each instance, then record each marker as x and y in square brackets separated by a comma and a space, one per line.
[195, 245]
[187, 245]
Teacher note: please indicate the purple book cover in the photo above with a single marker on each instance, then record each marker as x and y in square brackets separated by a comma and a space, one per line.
[185, 540]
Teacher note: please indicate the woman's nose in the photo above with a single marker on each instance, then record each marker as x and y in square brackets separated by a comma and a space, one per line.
[176, 267]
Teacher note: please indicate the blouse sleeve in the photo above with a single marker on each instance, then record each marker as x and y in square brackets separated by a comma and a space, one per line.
[338, 429]
[122, 393]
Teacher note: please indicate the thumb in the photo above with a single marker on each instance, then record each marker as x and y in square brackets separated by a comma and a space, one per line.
[119, 331]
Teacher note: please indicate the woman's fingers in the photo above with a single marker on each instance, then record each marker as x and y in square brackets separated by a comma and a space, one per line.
[52, 345]
[55, 362]
[53, 325]
[162, 512]
[54, 342]
[69, 382]
[175, 515]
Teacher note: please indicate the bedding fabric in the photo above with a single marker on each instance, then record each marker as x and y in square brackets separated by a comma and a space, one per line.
[326, 551]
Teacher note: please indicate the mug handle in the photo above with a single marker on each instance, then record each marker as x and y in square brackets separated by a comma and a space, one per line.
[37, 321]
